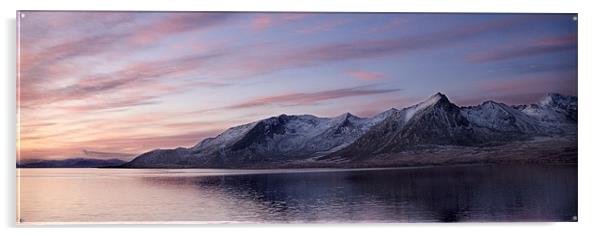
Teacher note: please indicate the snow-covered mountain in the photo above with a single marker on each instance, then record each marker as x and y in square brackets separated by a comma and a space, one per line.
[437, 121]
[275, 139]
[502, 118]
[553, 108]
[433, 122]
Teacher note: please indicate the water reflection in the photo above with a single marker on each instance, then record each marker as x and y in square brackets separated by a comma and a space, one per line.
[484, 193]
[490, 193]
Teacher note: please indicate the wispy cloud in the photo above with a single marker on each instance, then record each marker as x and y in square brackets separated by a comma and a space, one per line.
[534, 48]
[150, 75]
[366, 75]
[296, 99]
[375, 48]
[53, 73]
[263, 21]
[175, 24]
[359, 49]
[35, 64]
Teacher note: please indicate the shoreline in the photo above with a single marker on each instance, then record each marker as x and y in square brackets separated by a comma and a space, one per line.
[327, 169]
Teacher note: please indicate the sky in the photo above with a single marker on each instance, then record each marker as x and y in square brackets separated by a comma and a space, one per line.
[117, 84]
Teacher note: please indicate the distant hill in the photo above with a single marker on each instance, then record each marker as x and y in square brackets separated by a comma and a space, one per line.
[71, 163]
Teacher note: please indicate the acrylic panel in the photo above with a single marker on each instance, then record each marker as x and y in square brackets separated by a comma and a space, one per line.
[296, 117]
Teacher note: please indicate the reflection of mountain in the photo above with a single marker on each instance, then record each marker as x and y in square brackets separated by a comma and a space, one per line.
[464, 193]
[71, 163]
[428, 132]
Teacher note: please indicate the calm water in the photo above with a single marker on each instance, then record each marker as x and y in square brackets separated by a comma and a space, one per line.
[469, 193]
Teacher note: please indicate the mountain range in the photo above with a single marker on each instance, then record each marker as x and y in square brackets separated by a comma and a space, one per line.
[432, 132]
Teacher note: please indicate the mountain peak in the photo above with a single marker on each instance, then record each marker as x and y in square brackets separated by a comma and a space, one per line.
[346, 115]
[438, 94]
[434, 99]
[558, 100]
[491, 103]
[556, 96]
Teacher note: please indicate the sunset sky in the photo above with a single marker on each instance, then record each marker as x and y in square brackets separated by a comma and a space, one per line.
[115, 84]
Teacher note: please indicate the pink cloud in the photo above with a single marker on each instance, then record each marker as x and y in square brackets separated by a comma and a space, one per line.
[296, 99]
[149, 75]
[37, 63]
[264, 21]
[555, 41]
[261, 22]
[45, 29]
[174, 24]
[366, 75]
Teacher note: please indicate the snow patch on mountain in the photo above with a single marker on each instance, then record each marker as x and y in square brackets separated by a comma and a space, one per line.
[411, 111]
[552, 109]
[226, 138]
[500, 117]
